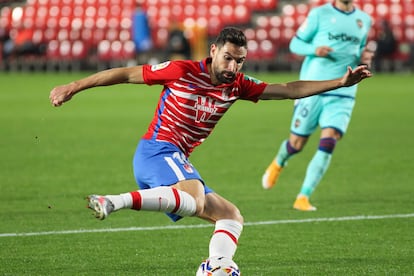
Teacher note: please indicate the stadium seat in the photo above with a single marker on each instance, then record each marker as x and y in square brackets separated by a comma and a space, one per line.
[261, 34]
[266, 5]
[267, 50]
[93, 21]
[409, 34]
[275, 21]
[263, 21]
[65, 50]
[79, 50]
[116, 50]
[274, 34]
[50, 34]
[52, 54]
[112, 34]
[128, 50]
[250, 34]
[63, 34]
[253, 50]
[103, 54]
[241, 14]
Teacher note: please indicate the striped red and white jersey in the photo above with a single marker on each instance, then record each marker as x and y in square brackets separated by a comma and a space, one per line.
[190, 105]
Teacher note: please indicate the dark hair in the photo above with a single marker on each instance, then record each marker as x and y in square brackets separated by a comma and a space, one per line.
[232, 35]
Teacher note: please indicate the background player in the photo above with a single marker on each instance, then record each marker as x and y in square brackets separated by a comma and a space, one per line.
[332, 37]
[195, 95]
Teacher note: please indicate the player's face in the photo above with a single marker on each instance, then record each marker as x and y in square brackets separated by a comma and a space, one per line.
[226, 62]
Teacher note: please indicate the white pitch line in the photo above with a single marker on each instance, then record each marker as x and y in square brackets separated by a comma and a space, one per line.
[174, 227]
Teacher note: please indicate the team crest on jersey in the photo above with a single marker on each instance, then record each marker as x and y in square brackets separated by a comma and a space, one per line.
[160, 66]
[297, 123]
[180, 158]
[360, 23]
[188, 168]
[205, 107]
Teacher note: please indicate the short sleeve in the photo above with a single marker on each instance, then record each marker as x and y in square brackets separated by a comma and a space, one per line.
[163, 73]
[251, 88]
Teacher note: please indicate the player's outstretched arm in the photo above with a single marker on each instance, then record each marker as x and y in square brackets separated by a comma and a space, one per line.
[64, 93]
[301, 89]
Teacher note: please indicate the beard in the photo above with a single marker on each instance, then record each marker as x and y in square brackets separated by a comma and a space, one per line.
[225, 76]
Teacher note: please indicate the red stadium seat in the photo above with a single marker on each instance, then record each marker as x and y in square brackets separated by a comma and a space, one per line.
[116, 50]
[253, 50]
[65, 50]
[267, 50]
[52, 51]
[241, 14]
[275, 21]
[274, 34]
[266, 5]
[128, 50]
[250, 34]
[263, 21]
[104, 50]
[261, 34]
[79, 50]
[409, 34]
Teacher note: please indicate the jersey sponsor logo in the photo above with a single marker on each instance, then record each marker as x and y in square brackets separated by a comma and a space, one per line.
[160, 66]
[205, 107]
[344, 38]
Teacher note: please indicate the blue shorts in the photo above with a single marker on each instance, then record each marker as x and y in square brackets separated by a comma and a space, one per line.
[162, 164]
[324, 111]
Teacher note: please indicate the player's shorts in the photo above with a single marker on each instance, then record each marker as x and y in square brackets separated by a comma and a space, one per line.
[327, 111]
[162, 164]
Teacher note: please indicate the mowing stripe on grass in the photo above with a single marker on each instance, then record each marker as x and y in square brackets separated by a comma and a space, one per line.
[173, 227]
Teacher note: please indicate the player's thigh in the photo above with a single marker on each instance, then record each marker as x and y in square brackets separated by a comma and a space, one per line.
[306, 116]
[336, 114]
[217, 207]
[161, 164]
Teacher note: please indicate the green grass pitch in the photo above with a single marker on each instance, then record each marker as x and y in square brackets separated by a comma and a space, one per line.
[51, 158]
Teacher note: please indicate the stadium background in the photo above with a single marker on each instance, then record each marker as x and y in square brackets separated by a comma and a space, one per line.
[96, 34]
[51, 158]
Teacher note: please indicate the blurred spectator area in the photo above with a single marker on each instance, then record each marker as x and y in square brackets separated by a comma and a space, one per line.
[91, 33]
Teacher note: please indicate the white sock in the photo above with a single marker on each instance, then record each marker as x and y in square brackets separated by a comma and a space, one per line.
[225, 238]
[121, 201]
[165, 199]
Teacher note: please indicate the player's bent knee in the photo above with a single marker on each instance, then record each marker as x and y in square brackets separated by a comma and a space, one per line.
[238, 217]
[217, 208]
[233, 213]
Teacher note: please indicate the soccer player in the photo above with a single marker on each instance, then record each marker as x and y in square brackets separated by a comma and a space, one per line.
[332, 37]
[195, 95]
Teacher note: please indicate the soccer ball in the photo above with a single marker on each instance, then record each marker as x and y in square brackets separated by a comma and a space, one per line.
[218, 266]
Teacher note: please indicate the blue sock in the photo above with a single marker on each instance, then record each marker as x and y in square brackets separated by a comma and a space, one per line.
[285, 152]
[318, 166]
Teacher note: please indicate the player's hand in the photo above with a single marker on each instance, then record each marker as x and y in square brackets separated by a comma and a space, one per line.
[61, 94]
[352, 77]
[323, 51]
